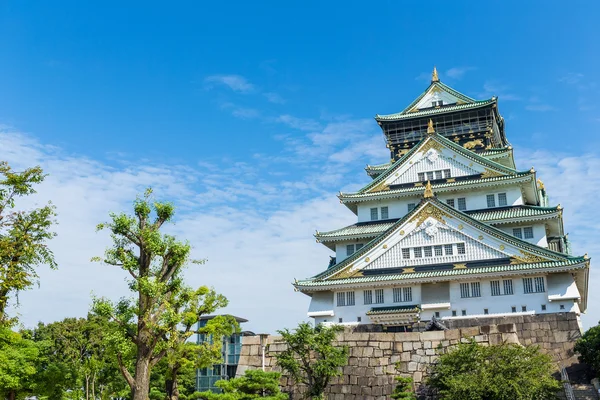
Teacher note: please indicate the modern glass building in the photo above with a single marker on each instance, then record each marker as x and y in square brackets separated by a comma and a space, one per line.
[230, 352]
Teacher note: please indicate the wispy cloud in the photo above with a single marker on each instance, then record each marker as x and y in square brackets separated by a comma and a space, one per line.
[240, 111]
[536, 104]
[504, 92]
[572, 78]
[458, 72]
[274, 98]
[237, 83]
[303, 124]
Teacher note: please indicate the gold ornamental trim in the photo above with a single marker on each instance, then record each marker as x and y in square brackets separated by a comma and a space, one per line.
[434, 75]
[430, 211]
[488, 173]
[381, 187]
[408, 270]
[431, 144]
[526, 258]
[460, 266]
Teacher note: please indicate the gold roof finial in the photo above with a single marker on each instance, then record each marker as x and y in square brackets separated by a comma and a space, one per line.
[428, 191]
[541, 184]
[430, 128]
[434, 75]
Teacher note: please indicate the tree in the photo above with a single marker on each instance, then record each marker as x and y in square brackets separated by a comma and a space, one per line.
[504, 372]
[253, 385]
[161, 316]
[18, 358]
[404, 389]
[311, 357]
[23, 234]
[76, 358]
[588, 347]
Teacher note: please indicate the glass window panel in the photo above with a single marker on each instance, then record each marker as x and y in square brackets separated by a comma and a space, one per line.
[428, 250]
[450, 202]
[528, 232]
[368, 296]
[374, 214]
[405, 254]
[460, 248]
[407, 294]
[418, 252]
[518, 233]
[448, 249]
[462, 203]
[491, 201]
[508, 286]
[502, 199]
[384, 213]
[438, 250]
[349, 249]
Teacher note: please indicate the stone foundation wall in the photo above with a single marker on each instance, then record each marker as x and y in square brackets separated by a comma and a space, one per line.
[371, 367]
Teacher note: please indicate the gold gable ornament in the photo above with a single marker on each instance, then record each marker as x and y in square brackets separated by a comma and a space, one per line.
[434, 75]
[428, 193]
[430, 128]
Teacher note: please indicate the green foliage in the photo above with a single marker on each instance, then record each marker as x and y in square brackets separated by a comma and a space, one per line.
[253, 385]
[18, 359]
[77, 358]
[505, 372]
[23, 234]
[311, 357]
[404, 389]
[588, 347]
[160, 319]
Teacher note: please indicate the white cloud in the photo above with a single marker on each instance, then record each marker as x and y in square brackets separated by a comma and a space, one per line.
[298, 123]
[571, 78]
[458, 72]
[237, 83]
[274, 98]
[491, 88]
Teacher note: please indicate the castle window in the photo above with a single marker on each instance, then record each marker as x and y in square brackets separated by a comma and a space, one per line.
[486, 311]
[464, 312]
[384, 213]
[495, 286]
[534, 285]
[340, 320]
[462, 203]
[374, 214]
[430, 175]
[450, 202]
[379, 296]
[368, 296]
[345, 299]
[359, 246]
[508, 286]
[406, 253]
[543, 307]
[491, 200]
[460, 248]
[448, 249]
[349, 249]
[502, 199]
[437, 314]
[454, 313]
[428, 251]
[421, 176]
[438, 175]
[358, 319]
[407, 294]
[475, 289]
[411, 206]
[523, 308]
[447, 173]
[528, 232]
[438, 250]
[513, 309]
[470, 290]
[418, 252]
[518, 233]
[562, 306]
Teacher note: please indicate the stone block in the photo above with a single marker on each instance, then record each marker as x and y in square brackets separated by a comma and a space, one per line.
[377, 353]
[510, 338]
[481, 338]
[367, 352]
[398, 347]
[407, 346]
[561, 336]
[469, 332]
[433, 335]
[427, 345]
[412, 366]
[418, 377]
[405, 356]
[430, 352]
[506, 328]
[417, 345]
[451, 334]
[408, 336]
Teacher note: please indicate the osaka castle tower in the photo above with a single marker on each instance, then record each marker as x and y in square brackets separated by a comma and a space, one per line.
[448, 228]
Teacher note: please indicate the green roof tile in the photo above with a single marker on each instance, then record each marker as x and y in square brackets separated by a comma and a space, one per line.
[445, 273]
[393, 310]
[434, 111]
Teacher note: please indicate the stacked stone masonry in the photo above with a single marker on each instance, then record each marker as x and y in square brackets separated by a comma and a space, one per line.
[374, 355]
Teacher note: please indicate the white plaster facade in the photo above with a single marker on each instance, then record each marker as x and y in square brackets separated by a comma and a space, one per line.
[484, 305]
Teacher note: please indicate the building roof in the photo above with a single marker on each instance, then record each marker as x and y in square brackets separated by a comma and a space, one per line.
[508, 214]
[536, 251]
[442, 141]
[579, 262]
[394, 309]
[433, 111]
[207, 317]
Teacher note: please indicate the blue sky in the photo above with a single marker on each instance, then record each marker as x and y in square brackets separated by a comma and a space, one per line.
[251, 116]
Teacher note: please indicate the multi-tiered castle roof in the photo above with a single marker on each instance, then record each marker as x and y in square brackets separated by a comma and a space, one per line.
[448, 228]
